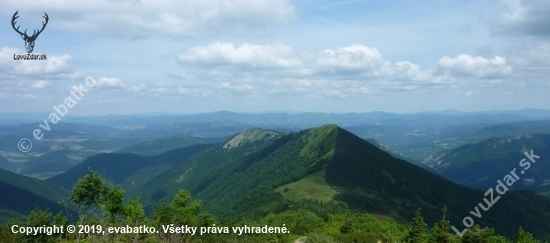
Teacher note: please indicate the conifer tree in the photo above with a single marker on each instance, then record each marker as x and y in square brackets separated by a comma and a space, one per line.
[417, 234]
[476, 234]
[440, 231]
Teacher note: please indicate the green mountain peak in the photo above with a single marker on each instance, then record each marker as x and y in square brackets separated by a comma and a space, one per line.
[251, 175]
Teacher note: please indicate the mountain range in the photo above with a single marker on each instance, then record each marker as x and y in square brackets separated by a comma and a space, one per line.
[261, 171]
[257, 172]
[130, 170]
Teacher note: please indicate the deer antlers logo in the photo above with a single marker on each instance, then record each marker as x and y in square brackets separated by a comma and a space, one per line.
[29, 40]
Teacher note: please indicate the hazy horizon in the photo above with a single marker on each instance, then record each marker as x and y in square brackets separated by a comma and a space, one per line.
[290, 112]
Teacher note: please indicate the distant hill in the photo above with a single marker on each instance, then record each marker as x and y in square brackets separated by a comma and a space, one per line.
[21, 194]
[56, 161]
[126, 168]
[510, 129]
[453, 136]
[159, 146]
[330, 164]
[480, 165]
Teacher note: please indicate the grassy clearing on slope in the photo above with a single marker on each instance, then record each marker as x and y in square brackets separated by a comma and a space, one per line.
[312, 186]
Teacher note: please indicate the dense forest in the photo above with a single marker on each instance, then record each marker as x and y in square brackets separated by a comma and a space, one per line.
[102, 212]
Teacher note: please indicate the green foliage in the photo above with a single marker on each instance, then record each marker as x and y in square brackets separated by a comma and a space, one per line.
[114, 204]
[305, 226]
[478, 235]
[440, 233]
[61, 220]
[524, 237]
[206, 219]
[181, 211]
[6, 236]
[319, 238]
[135, 215]
[89, 192]
[417, 234]
[39, 218]
[184, 211]
[347, 227]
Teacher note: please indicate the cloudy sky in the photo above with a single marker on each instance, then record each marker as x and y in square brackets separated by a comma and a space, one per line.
[192, 56]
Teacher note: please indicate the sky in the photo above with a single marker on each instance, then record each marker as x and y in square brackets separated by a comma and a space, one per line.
[187, 56]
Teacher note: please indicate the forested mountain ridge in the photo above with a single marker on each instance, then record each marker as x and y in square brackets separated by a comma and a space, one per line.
[127, 169]
[21, 194]
[242, 144]
[257, 179]
[159, 146]
[480, 165]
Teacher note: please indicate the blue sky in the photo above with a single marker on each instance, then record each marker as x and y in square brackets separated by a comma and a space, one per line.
[273, 55]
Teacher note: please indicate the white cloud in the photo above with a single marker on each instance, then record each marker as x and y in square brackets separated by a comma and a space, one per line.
[468, 66]
[245, 55]
[159, 89]
[354, 70]
[354, 61]
[355, 58]
[406, 69]
[55, 67]
[110, 83]
[360, 61]
[138, 88]
[151, 17]
[41, 84]
[239, 87]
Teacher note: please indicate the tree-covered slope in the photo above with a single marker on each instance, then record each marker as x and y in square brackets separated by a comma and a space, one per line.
[159, 146]
[251, 181]
[372, 180]
[129, 169]
[203, 168]
[20, 194]
[480, 165]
